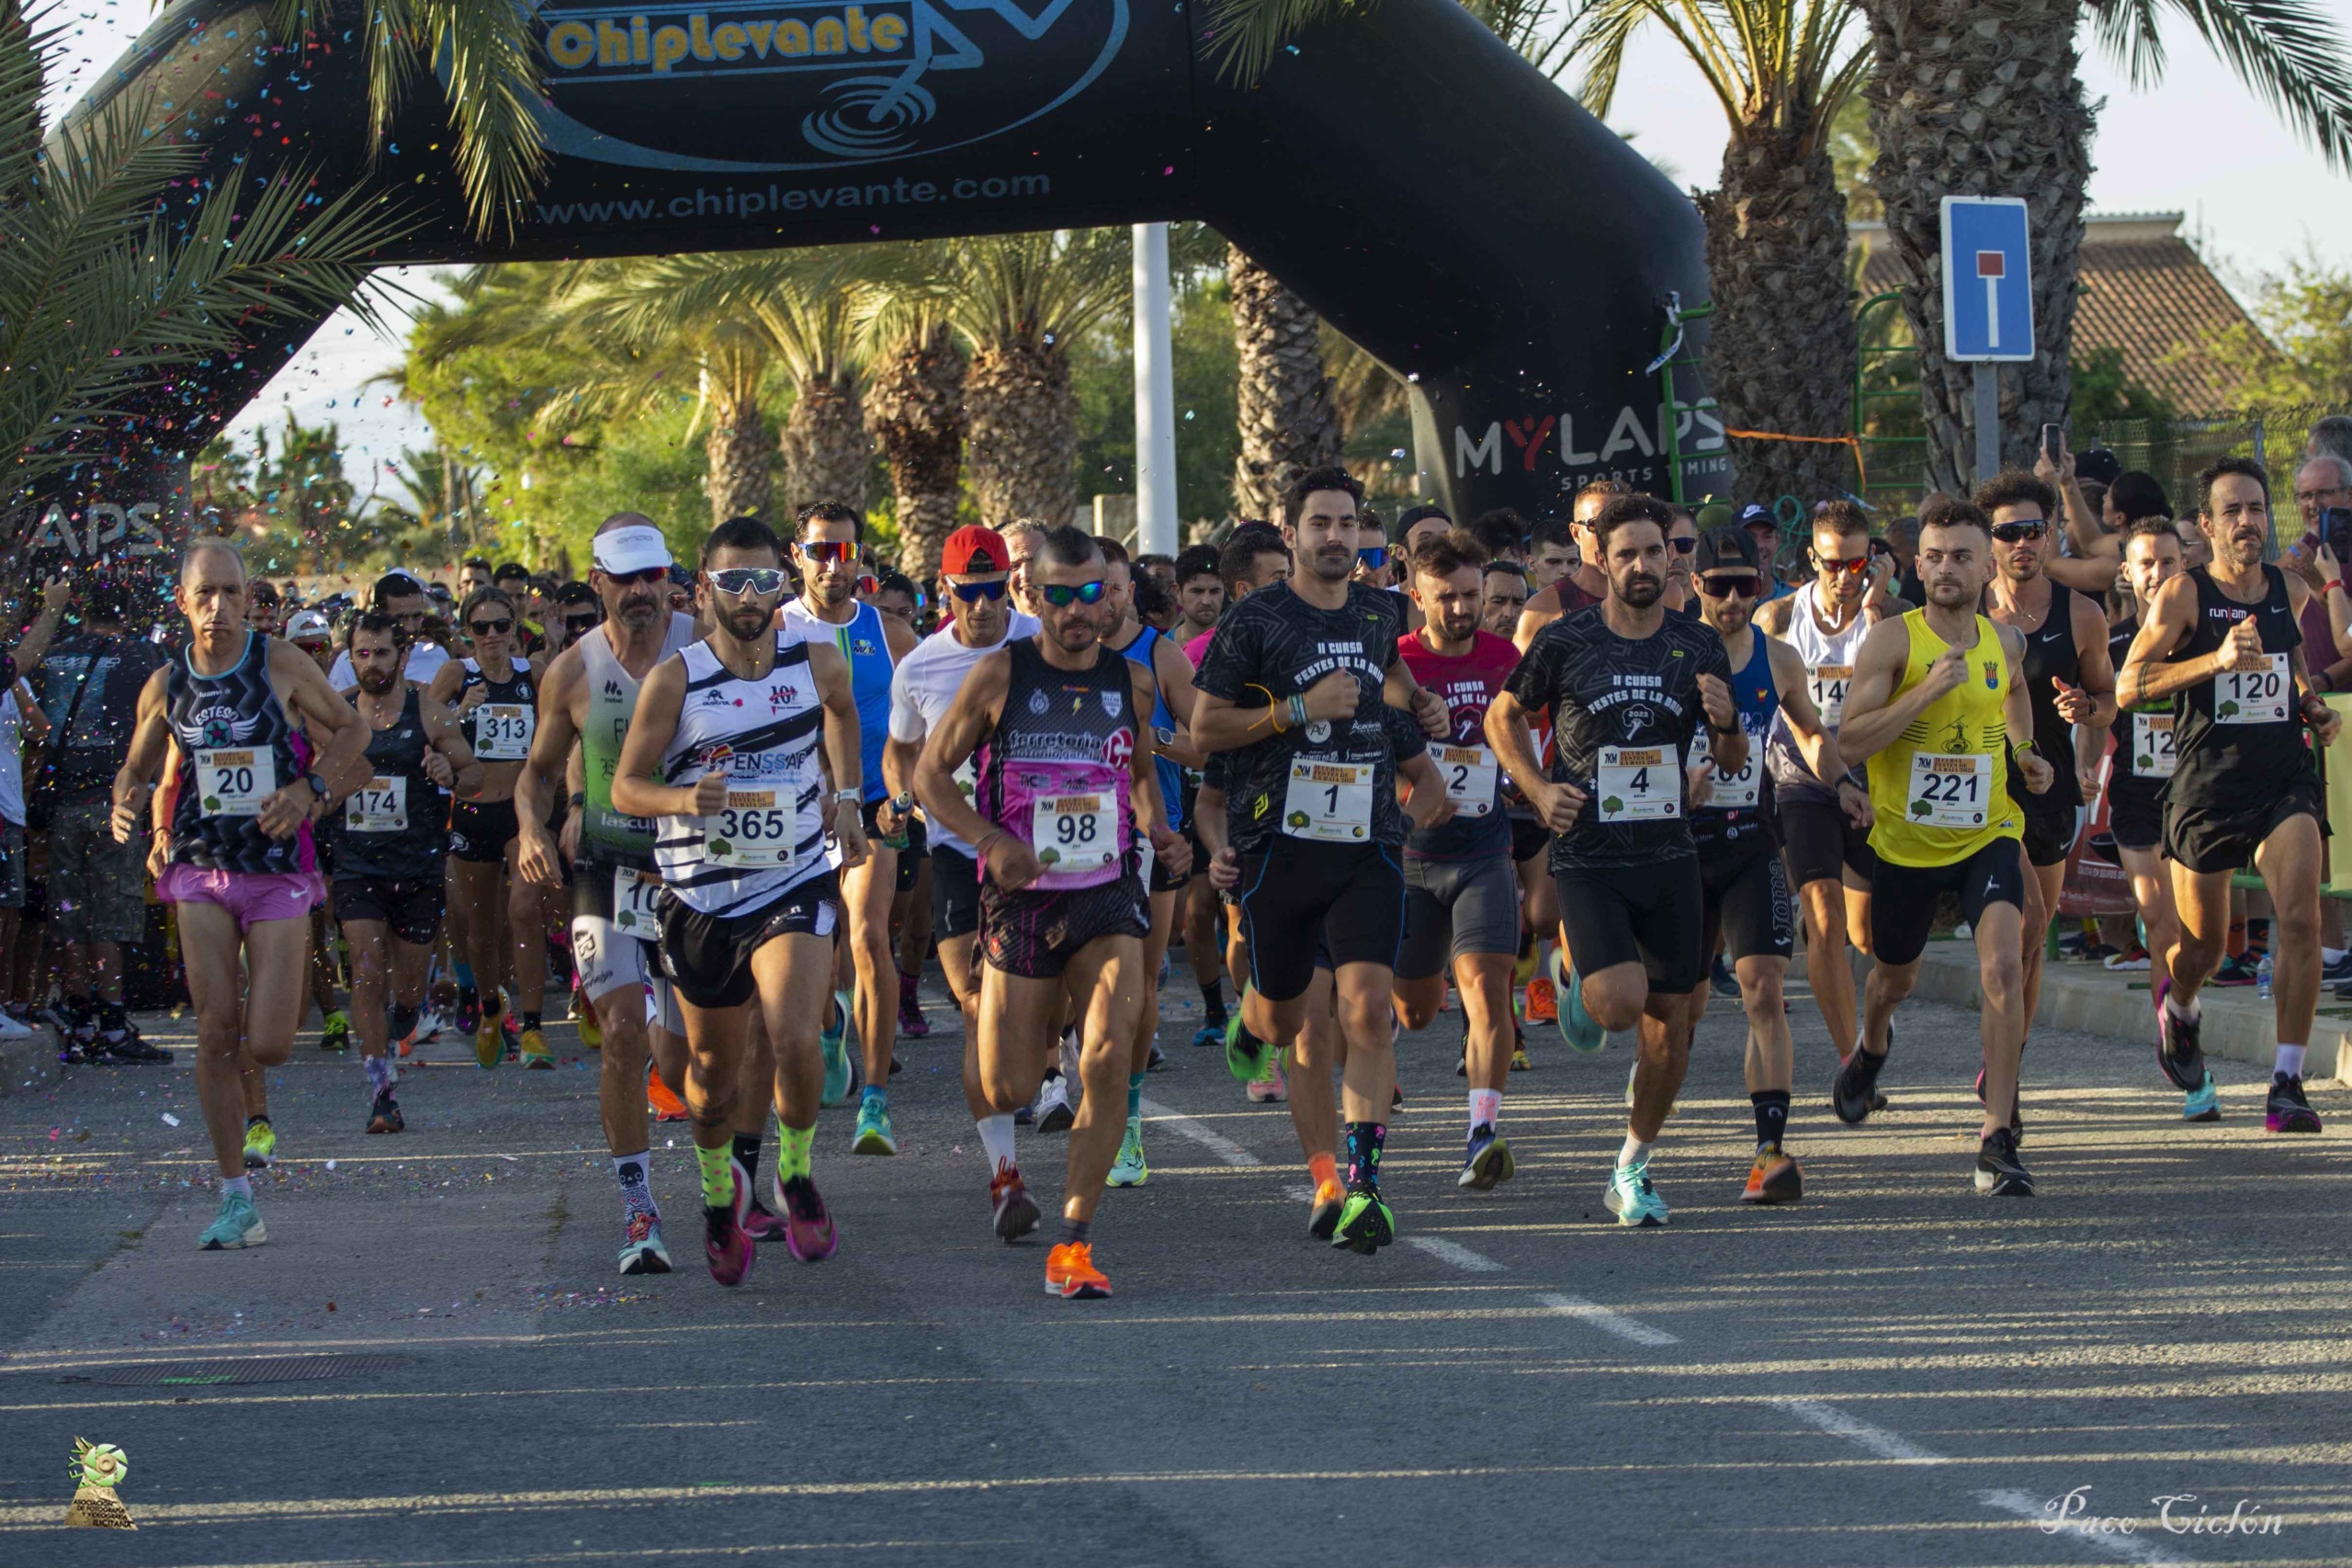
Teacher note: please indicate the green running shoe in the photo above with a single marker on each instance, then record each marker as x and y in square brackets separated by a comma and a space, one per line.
[1367, 1224]
[1129, 1169]
[874, 1135]
[836, 1066]
[237, 1224]
[261, 1143]
[2202, 1104]
[335, 1033]
[1632, 1198]
[1576, 1026]
[1247, 1057]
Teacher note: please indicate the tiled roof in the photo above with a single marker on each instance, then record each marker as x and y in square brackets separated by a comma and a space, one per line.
[2145, 292]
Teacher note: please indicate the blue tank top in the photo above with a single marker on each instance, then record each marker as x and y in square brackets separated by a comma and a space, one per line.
[1163, 722]
[861, 642]
[1740, 814]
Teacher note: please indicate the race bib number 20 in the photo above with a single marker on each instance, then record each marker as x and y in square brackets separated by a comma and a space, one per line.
[235, 782]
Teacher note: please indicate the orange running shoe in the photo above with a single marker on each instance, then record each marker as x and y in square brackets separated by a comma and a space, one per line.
[665, 1106]
[1071, 1275]
[1542, 1003]
[1323, 1220]
[1773, 1178]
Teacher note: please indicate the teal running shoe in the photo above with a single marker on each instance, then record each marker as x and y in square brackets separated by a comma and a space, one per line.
[237, 1224]
[2202, 1104]
[1129, 1169]
[874, 1135]
[1247, 1057]
[837, 1071]
[1576, 1026]
[1632, 1198]
[1367, 1224]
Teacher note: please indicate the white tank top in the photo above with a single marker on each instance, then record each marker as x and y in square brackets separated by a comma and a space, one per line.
[1829, 668]
[770, 838]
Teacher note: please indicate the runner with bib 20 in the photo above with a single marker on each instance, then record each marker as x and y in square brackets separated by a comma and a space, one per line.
[1937, 705]
[2223, 641]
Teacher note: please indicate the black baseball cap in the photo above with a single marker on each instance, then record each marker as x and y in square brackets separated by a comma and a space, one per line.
[1412, 514]
[2098, 465]
[1726, 550]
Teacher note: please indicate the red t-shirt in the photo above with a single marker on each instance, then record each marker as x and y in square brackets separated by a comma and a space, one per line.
[1468, 683]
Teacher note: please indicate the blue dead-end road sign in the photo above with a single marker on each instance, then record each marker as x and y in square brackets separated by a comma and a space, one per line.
[1988, 279]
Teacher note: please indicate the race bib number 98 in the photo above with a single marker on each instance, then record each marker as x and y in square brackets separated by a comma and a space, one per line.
[1074, 833]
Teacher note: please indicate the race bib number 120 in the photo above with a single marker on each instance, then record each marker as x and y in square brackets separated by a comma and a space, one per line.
[2253, 696]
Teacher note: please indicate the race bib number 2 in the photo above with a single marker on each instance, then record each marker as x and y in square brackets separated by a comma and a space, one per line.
[1638, 784]
[1075, 832]
[235, 782]
[1948, 790]
[2253, 696]
[1471, 774]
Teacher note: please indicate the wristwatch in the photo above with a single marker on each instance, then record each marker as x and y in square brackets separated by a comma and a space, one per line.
[849, 797]
[317, 785]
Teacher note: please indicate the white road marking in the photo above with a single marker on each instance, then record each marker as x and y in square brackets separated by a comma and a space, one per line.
[1453, 1252]
[1216, 1142]
[1608, 1322]
[2130, 1548]
[1861, 1434]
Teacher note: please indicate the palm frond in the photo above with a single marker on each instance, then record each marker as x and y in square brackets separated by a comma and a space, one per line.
[2290, 54]
[1244, 35]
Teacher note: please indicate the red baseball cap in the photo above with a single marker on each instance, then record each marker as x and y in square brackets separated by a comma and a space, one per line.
[973, 549]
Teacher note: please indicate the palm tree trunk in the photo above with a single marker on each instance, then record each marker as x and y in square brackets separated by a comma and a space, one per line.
[738, 484]
[827, 454]
[1288, 421]
[1979, 97]
[914, 410]
[1780, 350]
[1023, 433]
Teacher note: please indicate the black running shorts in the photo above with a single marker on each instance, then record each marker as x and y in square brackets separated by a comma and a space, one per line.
[1529, 838]
[1818, 841]
[2049, 830]
[2135, 816]
[2206, 839]
[479, 830]
[1747, 906]
[1035, 934]
[708, 957]
[1296, 892]
[1652, 914]
[954, 894]
[1903, 898]
[411, 907]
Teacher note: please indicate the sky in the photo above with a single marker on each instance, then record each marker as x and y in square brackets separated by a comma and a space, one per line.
[2253, 197]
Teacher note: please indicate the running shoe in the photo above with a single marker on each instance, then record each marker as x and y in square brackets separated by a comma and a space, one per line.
[1071, 1275]
[761, 1222]
[1720, 979]
[1632, 1198]
[1462, 1054]
[428, 1028]
[1852, 1092]
[1367, 1224]
[1129, 1169]
[1050, 1110]
[535, 1054]
[2287, 1111]
[2134, 958]
[468, 1015]
[911, 1022]
[1773, 1178]
[2337, 972]
[727, 1244]
[384, 1114]
[1323, 1219]
[808, 1233]
[1157, 1061]
[2202, 1104]
[2240, 970]
[1247, 1057]
[2180, 1050]
[1488, 1160]
[665, 1106]
[1395, 1096]
[874, 1135]
[237, 1224]
[1998, 1174]
[837, 1069]
[1576, 1026]
[489, 1039]
[1269, 1089]
[641, 1249]
[583, 1018]
[1210, 1034]
[1542, 1002]
[1519, 1058]
[261, 1143]
[335, 1035]
[131, 1049]
[1016, 1212]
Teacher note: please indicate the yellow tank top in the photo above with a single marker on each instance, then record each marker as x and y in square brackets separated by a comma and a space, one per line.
[1940, 791]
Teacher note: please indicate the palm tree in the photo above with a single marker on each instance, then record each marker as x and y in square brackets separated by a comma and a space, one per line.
[914, 410]
[1288, 423]
[1971, 99]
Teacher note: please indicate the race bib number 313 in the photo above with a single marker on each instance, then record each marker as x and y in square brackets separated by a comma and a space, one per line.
[1638, 784]
[502, 731]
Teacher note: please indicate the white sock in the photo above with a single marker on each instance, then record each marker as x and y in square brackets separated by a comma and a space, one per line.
[242, 1186]
[1485, 1107]
[996, 1141]
[2290, 1061]
[1635, 1152]
[2332, 955]
[2192, 1013]
[635, 1182]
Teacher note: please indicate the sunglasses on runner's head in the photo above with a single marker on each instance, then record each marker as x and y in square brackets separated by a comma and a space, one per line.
[1061, 595]
[762, 580]
[1683, 547]
[973, 593]
[1739, 587]
[1854, 568]
[489, 628]
[824, 552]
[2010, 533]
[1375, 558]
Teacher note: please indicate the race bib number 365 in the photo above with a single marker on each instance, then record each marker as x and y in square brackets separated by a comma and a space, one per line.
[234, 784]
[1950, 791]
[750, 829]
[2253, 696]
[1638, 784]
[1328, 800]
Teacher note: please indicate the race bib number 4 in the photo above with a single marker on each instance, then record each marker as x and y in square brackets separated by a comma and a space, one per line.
[1829, 682]
[1638, 784]
[1471, 773]
[1075, 832]
[1328, 800]
[2153, 756]
[636, 895]
[2253, 696]
[502, 731]
[380, 805]
[1729, 791]
[1950, 791]
[751, 829]
[234, 784]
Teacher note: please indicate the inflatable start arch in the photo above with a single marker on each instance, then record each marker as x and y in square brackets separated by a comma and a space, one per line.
[1429, 192]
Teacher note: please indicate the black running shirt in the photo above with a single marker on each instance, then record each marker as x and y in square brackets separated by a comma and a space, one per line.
[1615, 701]
[1272, 646]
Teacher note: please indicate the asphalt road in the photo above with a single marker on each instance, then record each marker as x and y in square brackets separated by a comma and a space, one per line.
[1895, 1372]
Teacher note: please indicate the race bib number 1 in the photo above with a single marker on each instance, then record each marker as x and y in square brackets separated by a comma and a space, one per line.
[380, 805]
[750, 829]
[234, 784]
[1328, 800]
[2253, 696]
[1638, 784]
[1075, 832]
[1471, 773]
[1950, 791]
[636, 895]
[2153, 756]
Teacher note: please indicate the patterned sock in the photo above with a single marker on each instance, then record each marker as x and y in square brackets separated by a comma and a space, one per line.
[1364, 1139]
[1134, 1096]
[717, 1175]
[792, 1150]
[636, 1184]
[1771, 1115]
[379, 1074]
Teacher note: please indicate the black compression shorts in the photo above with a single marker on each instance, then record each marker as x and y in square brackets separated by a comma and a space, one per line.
[2207, 839]
[1653, 915]
[1296, 892]
[1818, 841]
[1903, 898]
[708, 957]
[1747, 906]
[1035, 934]
[954, 894]
[479, 830]
[412, 908]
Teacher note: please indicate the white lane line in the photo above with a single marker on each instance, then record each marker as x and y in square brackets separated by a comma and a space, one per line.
[1608, 1322]
[1216, 1142]
[2043, 1512]
[1453, 1252]
[1861, 1434]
